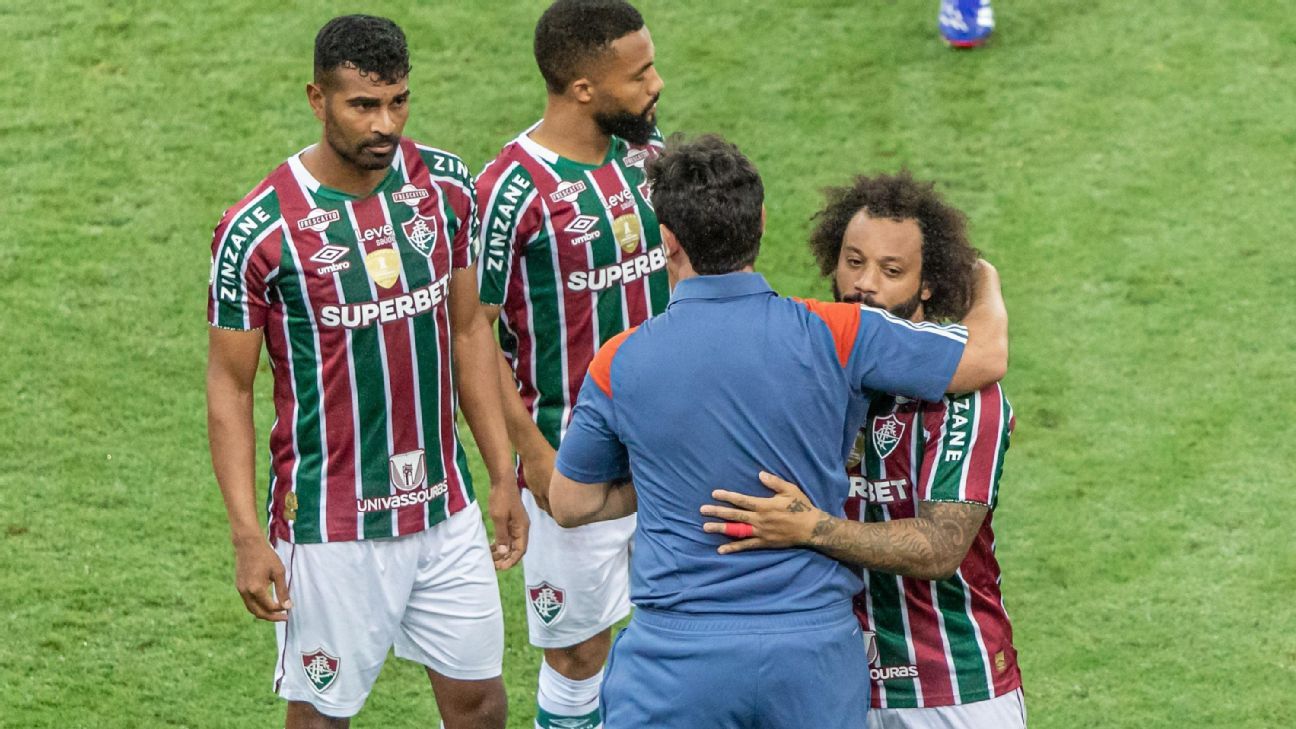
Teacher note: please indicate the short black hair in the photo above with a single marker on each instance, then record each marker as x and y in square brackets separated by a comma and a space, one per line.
[947, 255]
[710, 196]
[573, 32]
[373, 46]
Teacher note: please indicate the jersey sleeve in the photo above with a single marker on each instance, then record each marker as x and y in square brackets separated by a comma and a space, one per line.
[506, 202]
[591, 451]
[889, 355]
[464, 249]
[966, 441]
[897, 356]
[245, 258]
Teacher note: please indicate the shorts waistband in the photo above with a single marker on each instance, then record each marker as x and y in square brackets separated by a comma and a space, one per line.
[740, 623]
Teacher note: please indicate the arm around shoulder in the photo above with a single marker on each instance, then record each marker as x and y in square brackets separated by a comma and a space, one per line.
[985, 357]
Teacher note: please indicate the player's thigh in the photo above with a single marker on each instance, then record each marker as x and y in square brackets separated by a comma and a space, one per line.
[1002, 712]
[668, 680]
[577, 580]
[453, 622]
[814, 677]
[347, 606]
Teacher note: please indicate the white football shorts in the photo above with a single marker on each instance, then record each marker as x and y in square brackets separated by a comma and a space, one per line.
[577, 580]
[1002, 712]
[432, 596]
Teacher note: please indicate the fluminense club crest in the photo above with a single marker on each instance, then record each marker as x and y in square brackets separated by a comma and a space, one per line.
[321, 669]
[421, 232]
[547, 601]
[887, 433]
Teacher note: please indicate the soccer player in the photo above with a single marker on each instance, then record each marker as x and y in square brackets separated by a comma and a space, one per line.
[924, 479]
[729, 377]
[353, 264]
[571, 256]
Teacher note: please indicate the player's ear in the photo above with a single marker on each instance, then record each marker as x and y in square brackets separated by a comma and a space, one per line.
[315, 95]
[670, 244]
[926, 291]
[762, 232]
[582, 90]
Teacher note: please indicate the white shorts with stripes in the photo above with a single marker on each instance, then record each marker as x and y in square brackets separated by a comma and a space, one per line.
[1002, 712]
[432, 596]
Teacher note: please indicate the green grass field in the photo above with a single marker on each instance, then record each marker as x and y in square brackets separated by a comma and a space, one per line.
[1130, 167]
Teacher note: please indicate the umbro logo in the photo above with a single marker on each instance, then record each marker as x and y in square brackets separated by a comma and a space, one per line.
[329, 254]
[581, 224]
[567, 191]
[330, 260]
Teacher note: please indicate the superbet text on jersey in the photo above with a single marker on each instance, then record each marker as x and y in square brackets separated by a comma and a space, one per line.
[353, 295]
[572, 255]
[935, 642]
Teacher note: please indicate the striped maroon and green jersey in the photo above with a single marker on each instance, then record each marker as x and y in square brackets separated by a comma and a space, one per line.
[572, 255]
[935, 642]
[353, 295]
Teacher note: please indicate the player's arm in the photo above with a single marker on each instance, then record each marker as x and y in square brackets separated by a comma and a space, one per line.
[930, 546]
[232, 358]
[506, 221]
[985, 356]
[475, 355]
[958, 483]
[532, 447]
[574, 503]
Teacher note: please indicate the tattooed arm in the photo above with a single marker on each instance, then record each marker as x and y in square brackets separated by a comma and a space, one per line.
[930, 546]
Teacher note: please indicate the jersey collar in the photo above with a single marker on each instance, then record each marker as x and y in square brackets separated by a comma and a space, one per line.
[723, 286]
[315, 187]
[535, 149]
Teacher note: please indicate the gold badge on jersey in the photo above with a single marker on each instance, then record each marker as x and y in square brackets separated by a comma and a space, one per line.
[383, 266]
[857, 451]
[626, 230]
[290, 506]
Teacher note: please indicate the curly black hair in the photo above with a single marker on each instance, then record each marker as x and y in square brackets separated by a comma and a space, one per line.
[947, 255]
[570, 33]
[710, 196]
[373, 46]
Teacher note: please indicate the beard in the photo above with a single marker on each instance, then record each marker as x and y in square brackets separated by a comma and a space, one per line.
[634, 128]
[359, 154]
[904, 309]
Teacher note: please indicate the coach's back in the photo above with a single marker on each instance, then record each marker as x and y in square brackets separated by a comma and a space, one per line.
[730, 380]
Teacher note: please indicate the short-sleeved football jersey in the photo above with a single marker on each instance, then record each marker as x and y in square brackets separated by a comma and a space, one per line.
[353, 295]
[571, 253]
[937, 642]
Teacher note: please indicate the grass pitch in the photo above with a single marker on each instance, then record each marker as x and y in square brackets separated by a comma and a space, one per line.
[1130, 167]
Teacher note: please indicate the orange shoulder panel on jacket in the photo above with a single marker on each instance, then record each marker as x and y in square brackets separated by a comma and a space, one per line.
[843, 322]
[600, 368]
